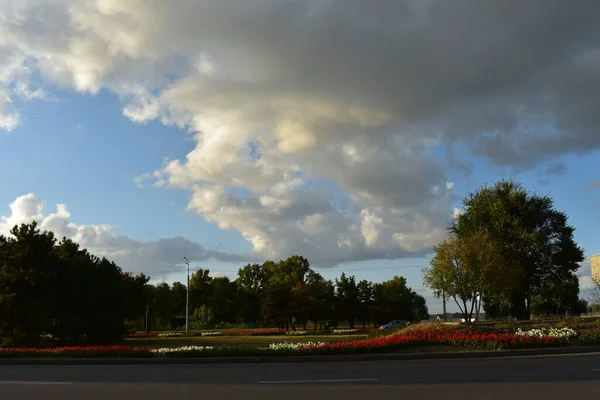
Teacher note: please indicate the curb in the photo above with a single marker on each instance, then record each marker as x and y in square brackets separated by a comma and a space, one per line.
[301, 359]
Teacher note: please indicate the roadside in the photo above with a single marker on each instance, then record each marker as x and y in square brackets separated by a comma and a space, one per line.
[397, 356]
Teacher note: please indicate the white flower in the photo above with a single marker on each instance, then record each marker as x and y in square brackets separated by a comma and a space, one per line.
[548, 332]
[171, 350]
[169, 334]
[344, 331]
[296, 333]
[294, 346]
[211, 334]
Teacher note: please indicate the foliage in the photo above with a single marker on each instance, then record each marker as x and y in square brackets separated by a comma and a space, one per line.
[591, 338]
[533, 238]
[559, 297]
[60, 290]
[57, 289]
[465, 268]
[289, 295]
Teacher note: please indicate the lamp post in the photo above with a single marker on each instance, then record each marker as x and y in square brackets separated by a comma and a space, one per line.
[187, 297]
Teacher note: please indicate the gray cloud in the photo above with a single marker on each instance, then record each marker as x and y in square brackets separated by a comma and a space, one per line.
[290, 102]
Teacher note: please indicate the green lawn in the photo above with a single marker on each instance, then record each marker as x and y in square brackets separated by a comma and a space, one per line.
[235, 340]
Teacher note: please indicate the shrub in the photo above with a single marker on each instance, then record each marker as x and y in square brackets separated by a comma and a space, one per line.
[591, 338]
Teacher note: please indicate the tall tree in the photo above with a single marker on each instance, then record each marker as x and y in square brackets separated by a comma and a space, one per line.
[348, 297]
[395, 300]
[464, 269]
[365, 296]
[530, 233]
[200, 288]
[28, 275]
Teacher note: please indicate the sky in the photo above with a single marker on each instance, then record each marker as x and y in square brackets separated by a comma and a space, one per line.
[232, 132]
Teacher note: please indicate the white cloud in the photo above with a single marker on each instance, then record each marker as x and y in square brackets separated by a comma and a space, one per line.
[314, 121]
[155, 258]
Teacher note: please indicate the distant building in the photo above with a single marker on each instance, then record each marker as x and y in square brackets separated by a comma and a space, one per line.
[595, 264]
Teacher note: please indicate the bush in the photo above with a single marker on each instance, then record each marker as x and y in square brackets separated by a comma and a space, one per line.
[591, 338]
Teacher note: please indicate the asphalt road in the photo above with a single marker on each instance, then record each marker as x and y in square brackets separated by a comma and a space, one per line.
[554, 377]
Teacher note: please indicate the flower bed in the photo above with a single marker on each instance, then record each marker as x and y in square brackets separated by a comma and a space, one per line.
[252, 332]
[344, 331]
[433, 336]
[296, 333]
[550, 332]
[410, 339]
[77, 352]
[169, 335]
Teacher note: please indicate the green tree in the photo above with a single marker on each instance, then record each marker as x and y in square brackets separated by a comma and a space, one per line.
[559, 297]
[531, 234]
[163, 305]
[464, 269]
[200, 288]
[62, 290]
[251, 282]
[28, 275]
[203, 317]
[179, 295]
[348, 297]
[393, 299]
[322, 293]
[365, 297]
[222, 301]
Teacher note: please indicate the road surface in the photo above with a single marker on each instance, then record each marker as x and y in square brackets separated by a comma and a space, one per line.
[553, 377]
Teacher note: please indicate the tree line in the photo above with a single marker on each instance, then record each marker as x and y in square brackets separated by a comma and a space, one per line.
[51, 287]
[54, 288]
[287, 294]
[511, 251]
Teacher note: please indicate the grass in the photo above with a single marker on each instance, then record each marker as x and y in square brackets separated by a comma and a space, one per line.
[235, 340]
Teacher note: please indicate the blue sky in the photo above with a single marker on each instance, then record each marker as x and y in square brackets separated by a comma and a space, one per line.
[288, 128]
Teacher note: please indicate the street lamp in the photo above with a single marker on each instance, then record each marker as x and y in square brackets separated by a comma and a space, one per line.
[187, 297]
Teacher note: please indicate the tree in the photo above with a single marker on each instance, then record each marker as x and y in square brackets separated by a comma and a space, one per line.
[365, 296]
[251, 283]
[559, 298]
[222, 300]
[348, 297]
[163, 305]
[393, 299]
[62, 290]
[200, 288]
[466, 269]
[28, 275]
[531, 235]
[179, 295]
[322, 295]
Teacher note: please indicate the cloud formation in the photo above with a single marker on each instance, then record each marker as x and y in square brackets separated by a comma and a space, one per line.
[316, 122]
[157, 259]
